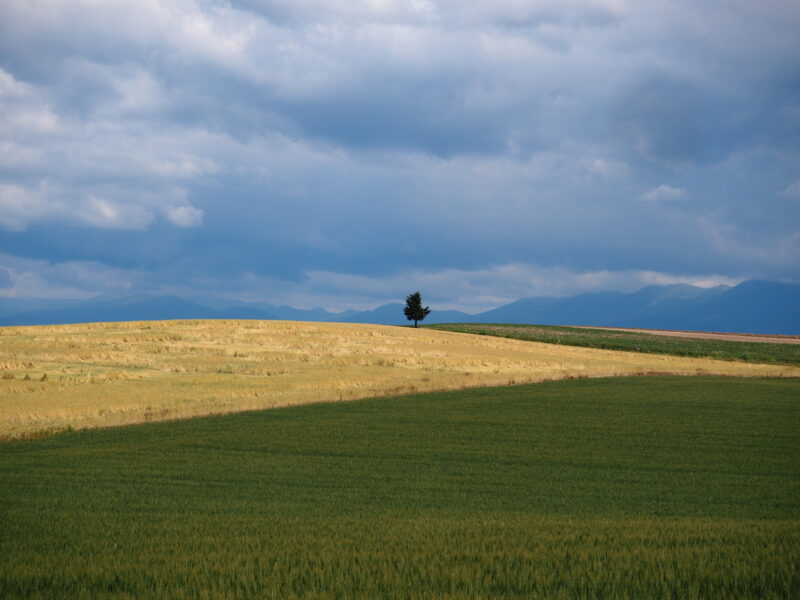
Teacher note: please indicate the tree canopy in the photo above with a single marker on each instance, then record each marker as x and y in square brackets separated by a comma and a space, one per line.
[414, 311]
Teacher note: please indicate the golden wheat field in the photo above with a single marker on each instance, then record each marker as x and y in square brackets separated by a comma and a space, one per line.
[101, 374]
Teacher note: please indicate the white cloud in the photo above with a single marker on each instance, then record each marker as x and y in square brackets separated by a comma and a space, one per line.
[7, 277]
[10, 87]
[664, 193]
[605, 167]
[33, 278]
[185, 216]
[523, 13]
[19, 206]
[482, 289]
[468, 290]
[104, 207]
[105, 213]
[24, 113]
[792, 191]
[445, 12]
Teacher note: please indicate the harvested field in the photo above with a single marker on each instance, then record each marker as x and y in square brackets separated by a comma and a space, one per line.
[103, 374]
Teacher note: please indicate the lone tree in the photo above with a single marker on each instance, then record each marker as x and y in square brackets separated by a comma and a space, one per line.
[414, 311]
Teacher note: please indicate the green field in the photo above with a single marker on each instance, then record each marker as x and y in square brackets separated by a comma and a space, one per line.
[630, 341]
[662, 487]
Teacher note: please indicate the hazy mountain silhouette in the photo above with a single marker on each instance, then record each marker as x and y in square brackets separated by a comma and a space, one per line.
[12, 306]
[652, 306]
[289, 313]
[283, 313]
[133, 308]
[392, 314]
[750, 307]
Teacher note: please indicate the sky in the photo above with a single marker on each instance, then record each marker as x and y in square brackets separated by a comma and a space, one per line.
[320, 153]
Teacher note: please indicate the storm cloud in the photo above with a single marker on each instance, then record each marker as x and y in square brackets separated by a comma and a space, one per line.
[336, 153]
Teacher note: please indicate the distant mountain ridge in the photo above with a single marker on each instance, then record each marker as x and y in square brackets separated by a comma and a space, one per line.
[392, 314]
[133, 308]
[750, 307]
[651, 307]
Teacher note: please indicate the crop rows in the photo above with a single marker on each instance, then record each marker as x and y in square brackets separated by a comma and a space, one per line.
[633, 341]
[626, 488]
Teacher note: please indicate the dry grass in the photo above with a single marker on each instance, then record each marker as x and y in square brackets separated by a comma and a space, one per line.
[101, 374]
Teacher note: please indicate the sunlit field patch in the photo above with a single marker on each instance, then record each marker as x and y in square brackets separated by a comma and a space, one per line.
[100, 374]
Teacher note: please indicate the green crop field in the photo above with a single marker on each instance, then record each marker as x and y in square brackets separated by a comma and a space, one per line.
[659, 487]
[633, 341]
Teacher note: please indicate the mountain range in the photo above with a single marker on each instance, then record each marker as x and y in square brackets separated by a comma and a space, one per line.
[750, 307]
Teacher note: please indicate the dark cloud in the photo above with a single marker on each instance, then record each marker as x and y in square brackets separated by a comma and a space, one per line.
[672, 121]
[677, 121]
[262, 145]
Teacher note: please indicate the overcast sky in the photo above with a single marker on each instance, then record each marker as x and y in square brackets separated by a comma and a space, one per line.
[345, 153]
